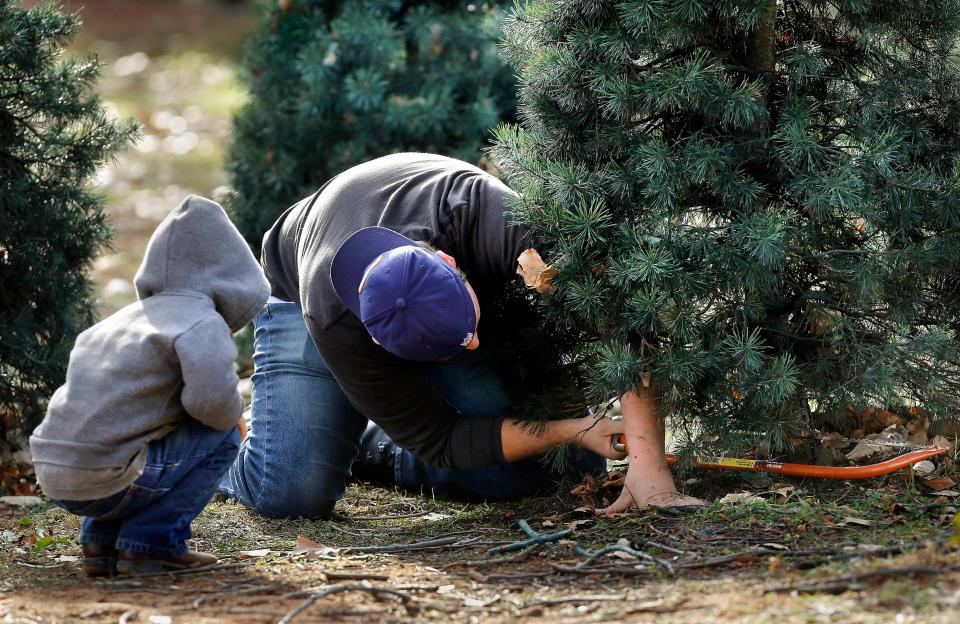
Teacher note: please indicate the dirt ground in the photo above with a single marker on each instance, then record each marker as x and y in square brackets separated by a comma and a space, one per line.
[790, 552]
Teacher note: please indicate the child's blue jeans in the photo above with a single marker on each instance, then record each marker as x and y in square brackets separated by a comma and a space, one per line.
[153, 514]
[305, 435]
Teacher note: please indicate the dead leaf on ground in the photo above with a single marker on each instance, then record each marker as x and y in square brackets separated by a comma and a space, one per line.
[535, 272]
[313, 549]
[848, 520]
[254, 554]
[924, 468]
[614, 479]
[576, 524]
[774, 546]
[783, 493]
[834, 441]
[946, 493]
[736, 498]
[586, 487]
[891, 437]
[871, 419]
[943, 442]
[939, 483]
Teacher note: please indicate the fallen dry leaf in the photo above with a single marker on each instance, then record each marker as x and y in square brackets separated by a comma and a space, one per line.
[924, 467]
[254, 554]
[783, 493]
[848, 520]
[871, 419]
[946, 493]
[535, 272]
[614, 479]
[587, 486]
[581, 490]
[939, 483]
[736, 498]
[834, 441]
[303, 544]
[942, 442]
[313, 549]
[576, 524]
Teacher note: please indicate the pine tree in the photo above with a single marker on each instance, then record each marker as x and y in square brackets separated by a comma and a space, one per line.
[751, 204]
[54, 135]
[334, 84]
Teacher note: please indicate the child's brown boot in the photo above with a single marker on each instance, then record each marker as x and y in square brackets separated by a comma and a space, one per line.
[130, 562]
[99, 560]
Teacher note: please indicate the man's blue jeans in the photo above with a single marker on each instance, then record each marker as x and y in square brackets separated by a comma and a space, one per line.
[304, 434]
[153, 514]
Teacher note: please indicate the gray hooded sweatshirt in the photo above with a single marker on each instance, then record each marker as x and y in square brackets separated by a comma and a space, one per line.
[136, 375]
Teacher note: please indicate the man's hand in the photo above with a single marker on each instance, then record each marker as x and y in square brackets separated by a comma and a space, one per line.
[597, 434]
[594, 433]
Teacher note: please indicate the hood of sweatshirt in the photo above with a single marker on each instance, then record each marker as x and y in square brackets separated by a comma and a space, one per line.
[197, 249]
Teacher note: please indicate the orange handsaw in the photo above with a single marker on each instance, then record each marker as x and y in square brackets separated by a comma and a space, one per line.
[804, 470]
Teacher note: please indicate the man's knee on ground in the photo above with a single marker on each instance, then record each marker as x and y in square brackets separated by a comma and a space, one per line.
[297, 495]
[279, 506]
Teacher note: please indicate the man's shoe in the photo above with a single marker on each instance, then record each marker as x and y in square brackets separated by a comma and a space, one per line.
[130, 562]
[376, 460]
[99, 560]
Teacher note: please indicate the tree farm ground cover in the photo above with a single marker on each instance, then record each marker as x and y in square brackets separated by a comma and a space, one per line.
[803, 551]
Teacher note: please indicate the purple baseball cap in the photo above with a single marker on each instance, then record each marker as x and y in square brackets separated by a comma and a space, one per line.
[411, 301]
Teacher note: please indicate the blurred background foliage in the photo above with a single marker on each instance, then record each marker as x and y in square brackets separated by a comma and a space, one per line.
[333, 84]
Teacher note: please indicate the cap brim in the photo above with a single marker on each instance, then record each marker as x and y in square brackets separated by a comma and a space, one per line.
[354, 255]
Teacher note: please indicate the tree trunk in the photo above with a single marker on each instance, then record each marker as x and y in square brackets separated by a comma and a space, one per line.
[762, 52]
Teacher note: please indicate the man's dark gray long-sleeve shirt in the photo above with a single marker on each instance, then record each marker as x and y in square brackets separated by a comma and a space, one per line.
[450, 204]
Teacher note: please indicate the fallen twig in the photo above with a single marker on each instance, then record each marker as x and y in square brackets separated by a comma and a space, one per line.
[606, 569]
[42, 566]
[520, 556]
[230, 592]
[198, 570]
[393, 517]
[590, 598]
[535, 538]
[665, 548]
[444, 541]
[843, 583]
[715, 561]
[126, 616]
[639, 554]
[521, 576]
[376, 591]
[355, 576]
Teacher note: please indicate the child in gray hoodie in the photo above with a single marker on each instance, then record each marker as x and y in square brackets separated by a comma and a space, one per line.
[145, 426]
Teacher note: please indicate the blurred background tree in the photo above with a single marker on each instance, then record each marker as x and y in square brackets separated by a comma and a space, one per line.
[54, 136]
[756, 204]
[334, 84]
